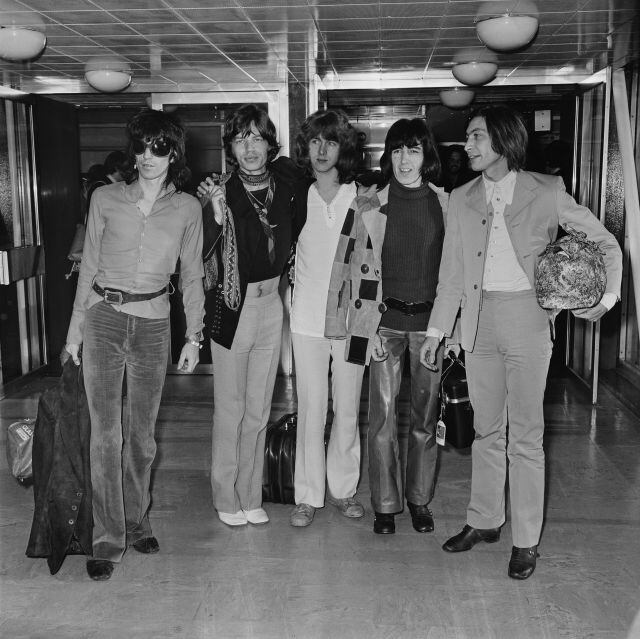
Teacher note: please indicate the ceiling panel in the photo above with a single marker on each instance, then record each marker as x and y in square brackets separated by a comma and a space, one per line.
[272, 38]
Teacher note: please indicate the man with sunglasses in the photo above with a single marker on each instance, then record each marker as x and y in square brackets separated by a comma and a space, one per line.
[136, 232]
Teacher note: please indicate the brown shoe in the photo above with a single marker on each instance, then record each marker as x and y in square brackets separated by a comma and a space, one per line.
[468, 537]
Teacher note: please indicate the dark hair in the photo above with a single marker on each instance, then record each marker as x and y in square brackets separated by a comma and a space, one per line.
[239, 123]
[115, 161]
[507, 132]
[331, 125]
[454, 148]
[411, 133]
[148, 125]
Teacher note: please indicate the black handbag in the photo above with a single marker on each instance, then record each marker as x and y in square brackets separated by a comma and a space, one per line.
[456, 412]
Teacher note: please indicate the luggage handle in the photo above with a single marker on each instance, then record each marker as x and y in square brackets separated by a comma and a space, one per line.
[443, 395]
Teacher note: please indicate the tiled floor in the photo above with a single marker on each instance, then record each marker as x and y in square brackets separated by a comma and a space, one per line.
[336, 578]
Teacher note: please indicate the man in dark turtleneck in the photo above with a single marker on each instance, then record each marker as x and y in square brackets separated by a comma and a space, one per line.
[388, 259]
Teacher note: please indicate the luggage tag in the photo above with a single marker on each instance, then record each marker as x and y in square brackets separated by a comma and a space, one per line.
[441, 432]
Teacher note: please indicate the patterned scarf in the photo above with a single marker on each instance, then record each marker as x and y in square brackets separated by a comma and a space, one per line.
[262, 209]
[231, 276]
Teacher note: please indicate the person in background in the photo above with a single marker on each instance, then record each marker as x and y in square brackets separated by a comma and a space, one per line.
[249, 227]
[498, 226]
[136, 233]
[326, 148]
[455, 170]
[382, 287]
[102, 174]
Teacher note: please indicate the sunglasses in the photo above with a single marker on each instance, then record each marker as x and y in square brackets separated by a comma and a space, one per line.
[160, 147]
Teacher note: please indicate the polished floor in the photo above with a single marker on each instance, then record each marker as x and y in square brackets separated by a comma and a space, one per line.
[336, 578]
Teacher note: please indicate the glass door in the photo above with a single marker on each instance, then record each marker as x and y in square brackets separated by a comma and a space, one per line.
[22, 330]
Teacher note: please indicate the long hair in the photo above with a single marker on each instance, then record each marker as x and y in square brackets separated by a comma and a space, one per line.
[332, 125]
[147, 125]
[411, 133]
[239, 123]
[508, 134]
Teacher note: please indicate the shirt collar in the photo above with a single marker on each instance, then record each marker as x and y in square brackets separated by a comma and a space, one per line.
[505, 186]
[133, 191]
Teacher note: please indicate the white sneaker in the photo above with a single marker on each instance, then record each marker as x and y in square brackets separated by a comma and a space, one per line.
[256, 516]
[233, 519]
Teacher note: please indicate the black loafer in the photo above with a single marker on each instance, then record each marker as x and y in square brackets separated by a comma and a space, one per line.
[99, 569]
[421, 518]
[384, 524]
[468, 537]
[522, 562]
[147, 545]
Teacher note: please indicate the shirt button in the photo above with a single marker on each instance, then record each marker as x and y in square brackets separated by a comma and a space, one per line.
[479, 253]
[382, 307]
[74, 507]
[484, 221]
[71, 522]
[364, 268]
[358, 303]
[475, 286]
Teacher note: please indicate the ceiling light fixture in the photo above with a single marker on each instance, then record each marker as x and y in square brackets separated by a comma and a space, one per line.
[457, 97]
[21, 36]
[108, 74]
[506, 26]
[475, 66]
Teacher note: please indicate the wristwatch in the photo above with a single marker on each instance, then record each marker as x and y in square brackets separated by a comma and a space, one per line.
[195, 339]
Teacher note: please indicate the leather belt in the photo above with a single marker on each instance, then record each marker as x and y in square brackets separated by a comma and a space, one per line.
[114, 296]
[408, 308]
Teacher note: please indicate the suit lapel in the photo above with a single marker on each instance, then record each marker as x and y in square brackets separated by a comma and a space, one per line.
[476, 198]
[523, 195]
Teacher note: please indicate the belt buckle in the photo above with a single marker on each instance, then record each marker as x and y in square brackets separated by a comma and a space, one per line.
[113, 297]
[407, 308]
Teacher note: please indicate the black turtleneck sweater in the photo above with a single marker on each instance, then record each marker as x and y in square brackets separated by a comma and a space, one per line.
[411, 252]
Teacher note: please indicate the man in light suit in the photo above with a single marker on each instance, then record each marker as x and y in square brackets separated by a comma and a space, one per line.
[498, 225]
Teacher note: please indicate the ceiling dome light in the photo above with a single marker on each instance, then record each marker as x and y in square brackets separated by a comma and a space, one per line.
[507, 25]
[108, 74]
[475, 66]
[457, 97]
[475, 73]
[21, 35]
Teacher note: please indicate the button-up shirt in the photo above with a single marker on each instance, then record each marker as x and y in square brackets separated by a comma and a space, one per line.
[502, 271]
[129, 251]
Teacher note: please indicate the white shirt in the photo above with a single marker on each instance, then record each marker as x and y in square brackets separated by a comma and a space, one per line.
[502, 271]
[315, 252]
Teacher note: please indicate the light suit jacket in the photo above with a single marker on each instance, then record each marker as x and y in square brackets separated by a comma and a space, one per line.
[540, 203]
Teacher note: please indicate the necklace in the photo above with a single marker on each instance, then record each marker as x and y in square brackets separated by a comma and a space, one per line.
[254, 179]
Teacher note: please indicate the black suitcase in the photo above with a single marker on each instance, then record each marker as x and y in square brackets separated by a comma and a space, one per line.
[456, 410]
[280, 459]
